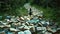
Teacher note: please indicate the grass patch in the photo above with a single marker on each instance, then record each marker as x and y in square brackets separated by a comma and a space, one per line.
[22, 11]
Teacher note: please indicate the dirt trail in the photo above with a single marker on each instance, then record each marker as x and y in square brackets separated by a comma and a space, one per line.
[34, 10]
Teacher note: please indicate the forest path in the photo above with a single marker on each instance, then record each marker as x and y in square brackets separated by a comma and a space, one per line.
[34, 9]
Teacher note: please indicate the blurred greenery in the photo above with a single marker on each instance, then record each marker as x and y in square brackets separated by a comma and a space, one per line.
[11, 7]
[51, 8]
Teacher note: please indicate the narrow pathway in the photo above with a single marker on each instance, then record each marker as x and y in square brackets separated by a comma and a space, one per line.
[34, 10]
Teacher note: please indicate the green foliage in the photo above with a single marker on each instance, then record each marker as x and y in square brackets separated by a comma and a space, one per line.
[51, 8]
[22, 11]
[49, 3]
[50, 13]
[10, 6]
